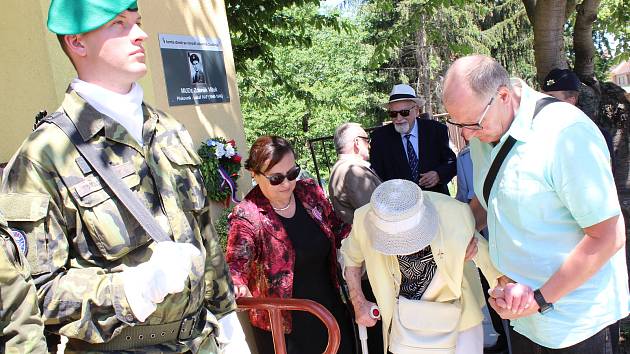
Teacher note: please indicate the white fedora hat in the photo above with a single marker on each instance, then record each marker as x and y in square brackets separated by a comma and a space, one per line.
[403, 92]
[401, 220]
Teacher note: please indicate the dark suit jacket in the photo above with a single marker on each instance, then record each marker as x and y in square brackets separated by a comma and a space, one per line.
[389, 160]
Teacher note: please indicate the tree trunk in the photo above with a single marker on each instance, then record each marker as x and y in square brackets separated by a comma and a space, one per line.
[422, 64]
[615, 113]
[530, 9]
[549, 20]
[583, 41]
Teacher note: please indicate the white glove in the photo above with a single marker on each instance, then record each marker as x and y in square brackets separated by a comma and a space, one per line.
[165, 273]
[232, 335]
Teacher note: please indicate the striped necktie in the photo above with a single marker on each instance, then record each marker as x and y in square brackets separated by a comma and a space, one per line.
[413, 160]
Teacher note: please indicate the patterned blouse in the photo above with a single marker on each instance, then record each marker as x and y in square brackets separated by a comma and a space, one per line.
[259, 251]
[417, 271]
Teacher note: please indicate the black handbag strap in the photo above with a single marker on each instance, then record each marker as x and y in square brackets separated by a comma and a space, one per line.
[505, 149]
[135, 207]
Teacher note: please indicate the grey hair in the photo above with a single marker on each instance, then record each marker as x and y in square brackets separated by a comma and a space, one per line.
[487, 76]
[343, 137]
[481, 74]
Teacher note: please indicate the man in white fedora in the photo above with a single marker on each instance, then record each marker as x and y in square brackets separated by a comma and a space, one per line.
[412, 148]
[414, 256]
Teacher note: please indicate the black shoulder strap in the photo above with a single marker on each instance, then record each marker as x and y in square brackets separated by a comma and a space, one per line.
[116, 185]
[505, 149]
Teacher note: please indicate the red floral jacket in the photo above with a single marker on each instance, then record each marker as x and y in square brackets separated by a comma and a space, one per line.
[260, 253]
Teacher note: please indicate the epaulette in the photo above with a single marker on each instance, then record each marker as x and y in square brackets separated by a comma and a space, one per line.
[38, 118]
[43, 117]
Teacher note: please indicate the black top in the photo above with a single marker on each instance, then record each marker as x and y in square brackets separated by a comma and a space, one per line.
[417, 271]
[311, 280]
[311, 274]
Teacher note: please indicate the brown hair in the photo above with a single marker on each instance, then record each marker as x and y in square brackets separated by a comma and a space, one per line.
[267, 148]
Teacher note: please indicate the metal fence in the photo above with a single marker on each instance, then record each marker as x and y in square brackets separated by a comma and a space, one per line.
[325, 145]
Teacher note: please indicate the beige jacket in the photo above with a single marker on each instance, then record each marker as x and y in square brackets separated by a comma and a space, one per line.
[456, 228]
[352, 182]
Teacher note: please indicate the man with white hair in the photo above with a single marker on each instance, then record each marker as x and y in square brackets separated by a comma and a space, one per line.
[542, 174]
[412, 148]
[351, 180]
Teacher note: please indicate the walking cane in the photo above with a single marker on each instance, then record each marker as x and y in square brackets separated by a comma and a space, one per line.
[375, 313]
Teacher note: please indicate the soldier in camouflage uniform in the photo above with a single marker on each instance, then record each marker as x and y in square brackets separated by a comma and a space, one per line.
[100, 279]
[21, 327]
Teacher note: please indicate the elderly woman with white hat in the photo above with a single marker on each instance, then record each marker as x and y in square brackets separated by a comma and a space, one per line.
[413, 245]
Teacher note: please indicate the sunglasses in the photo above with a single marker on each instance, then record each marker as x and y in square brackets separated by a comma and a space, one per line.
[402, 112]
[277, 178]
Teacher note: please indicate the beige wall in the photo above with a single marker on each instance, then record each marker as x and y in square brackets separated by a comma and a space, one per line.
[35, 73]
[26, 74]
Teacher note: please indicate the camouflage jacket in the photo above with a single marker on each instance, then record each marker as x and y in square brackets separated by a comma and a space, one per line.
[21, 326]
[80, 237]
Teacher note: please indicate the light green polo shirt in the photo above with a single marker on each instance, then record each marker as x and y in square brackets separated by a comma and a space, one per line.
[555, 181]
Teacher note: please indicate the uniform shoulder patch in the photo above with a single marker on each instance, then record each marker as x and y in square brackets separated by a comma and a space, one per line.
[20, 240]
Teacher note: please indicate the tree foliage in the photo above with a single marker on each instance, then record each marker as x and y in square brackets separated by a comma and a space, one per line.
[508, 34]
[303, 71]
[258, 26]
[437, 32]
[613, 22]
[332, 77]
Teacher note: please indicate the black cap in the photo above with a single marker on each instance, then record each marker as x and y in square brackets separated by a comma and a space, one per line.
[561, 80]
[193, 58]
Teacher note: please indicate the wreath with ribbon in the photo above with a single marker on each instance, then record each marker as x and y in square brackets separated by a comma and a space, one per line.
[220, 164]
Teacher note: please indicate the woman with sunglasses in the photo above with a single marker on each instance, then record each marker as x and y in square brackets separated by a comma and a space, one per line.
[282, 243]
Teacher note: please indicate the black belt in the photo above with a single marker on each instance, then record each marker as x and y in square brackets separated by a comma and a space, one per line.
[141, 336]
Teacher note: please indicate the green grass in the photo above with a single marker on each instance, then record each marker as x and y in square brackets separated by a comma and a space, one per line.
[452, 187]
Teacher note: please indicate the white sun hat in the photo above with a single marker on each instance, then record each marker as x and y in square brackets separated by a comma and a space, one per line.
[401, 220]
[403, 92]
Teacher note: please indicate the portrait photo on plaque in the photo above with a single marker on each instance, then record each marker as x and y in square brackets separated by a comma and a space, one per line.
[197, 75]
[194, 70]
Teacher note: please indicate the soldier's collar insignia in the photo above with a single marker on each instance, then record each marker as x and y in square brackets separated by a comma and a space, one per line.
[20, 240]
[551, 82]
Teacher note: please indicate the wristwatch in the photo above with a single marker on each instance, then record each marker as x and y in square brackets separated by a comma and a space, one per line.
[543, 305]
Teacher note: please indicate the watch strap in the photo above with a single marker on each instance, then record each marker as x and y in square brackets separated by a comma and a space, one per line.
[543, 305]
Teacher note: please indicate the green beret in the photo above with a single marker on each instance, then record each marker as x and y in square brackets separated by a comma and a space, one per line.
[80, 16]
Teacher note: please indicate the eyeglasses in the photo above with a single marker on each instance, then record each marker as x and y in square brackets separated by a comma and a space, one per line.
[402, 112]
[366, 138]
[277, 178]
[473, 126]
